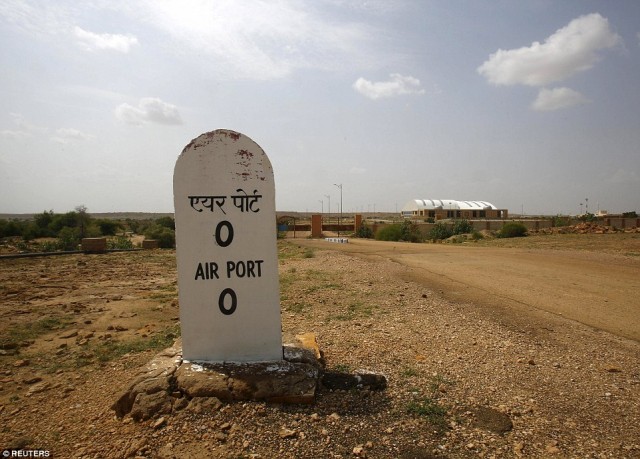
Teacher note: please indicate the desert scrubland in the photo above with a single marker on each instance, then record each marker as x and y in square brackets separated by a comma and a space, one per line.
[502, 348]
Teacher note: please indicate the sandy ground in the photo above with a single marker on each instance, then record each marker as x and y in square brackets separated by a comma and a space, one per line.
[479, 360]
[600, 290]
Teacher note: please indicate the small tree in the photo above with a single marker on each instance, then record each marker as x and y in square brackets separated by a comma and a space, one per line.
[462, 227]
[364, 231]
[166, 237]
[133, 225]
[410, 232]
[59, 221]
[30, 231]
[68, 238]
[43, 222]
[440, 231]
[167, 222]
[108, 227]
[83, 220]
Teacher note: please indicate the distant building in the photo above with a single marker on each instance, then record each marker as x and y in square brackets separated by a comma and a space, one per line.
[439, 209]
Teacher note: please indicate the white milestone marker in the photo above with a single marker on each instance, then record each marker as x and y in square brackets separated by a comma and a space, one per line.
[224, 198]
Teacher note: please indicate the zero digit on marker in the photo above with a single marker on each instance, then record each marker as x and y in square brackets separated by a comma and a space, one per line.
[234, 301]
[229, 239]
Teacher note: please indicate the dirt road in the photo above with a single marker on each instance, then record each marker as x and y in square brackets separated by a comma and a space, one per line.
[600, 290]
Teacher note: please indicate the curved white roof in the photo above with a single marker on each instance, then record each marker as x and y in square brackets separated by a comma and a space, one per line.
[447, 204]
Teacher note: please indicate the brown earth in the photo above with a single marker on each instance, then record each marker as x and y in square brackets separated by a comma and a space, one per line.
[523, 348]
[595, 288]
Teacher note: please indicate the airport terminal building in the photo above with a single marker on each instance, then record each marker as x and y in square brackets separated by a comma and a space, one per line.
[439, 209]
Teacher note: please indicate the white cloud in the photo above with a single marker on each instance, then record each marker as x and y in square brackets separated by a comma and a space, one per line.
[569, 50]
[26, 130]
[259, 39]
[92, 41]
[68, 135]
[397, 85]
[557, 98]
[249, 39]
[149, 110]
[50, 19]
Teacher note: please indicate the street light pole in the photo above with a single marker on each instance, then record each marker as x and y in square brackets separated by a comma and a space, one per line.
[340, 219]
[328, 196]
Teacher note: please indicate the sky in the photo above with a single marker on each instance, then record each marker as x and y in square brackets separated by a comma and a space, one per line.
[531, 105]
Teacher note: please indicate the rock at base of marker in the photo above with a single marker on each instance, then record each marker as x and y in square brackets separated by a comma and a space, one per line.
[167, 382]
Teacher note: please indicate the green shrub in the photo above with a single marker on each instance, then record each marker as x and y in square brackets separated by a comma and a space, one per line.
[364, 232]
[513, 229]
[91, 230]
[68, 238]
[161, 229]
[10, 228]
[476, 236]
[133, 225]
[108, 227]
[389, 233]
[440, 231]
[59, 221]
[410, 232]
[462, 227]
[69, 228]
[407, 231]
[559, 221]
[49, 246]
[167, 222]
[632, 214]
[30, 231]
[119, 243]
[166, 237]
[43, 222]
